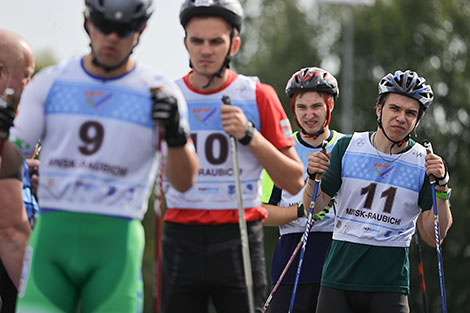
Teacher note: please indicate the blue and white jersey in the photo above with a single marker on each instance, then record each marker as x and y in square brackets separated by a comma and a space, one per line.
[99, 143]
[215, 180]
[287, 199]
[378, 200]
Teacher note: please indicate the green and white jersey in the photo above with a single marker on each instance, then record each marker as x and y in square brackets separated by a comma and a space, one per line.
[378, 199]
[373, 255]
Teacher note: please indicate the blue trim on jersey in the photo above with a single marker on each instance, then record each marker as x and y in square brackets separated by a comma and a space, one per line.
[104, 79]
[90, 99]
[365, 166]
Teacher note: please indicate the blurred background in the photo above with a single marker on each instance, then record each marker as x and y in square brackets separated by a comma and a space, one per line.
[358, 42]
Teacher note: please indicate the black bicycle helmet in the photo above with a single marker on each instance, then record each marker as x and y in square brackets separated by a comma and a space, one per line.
[130, 13]
[312, 79]
[229, 10]
[410, 84]
[124, 17]
[407, 83]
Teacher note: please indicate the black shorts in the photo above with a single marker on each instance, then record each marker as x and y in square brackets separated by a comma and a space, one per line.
[305, 298]
[203, 263]
[333, 300]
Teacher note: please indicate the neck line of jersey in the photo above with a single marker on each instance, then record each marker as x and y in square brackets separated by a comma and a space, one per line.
[231, 77]
[105, 78]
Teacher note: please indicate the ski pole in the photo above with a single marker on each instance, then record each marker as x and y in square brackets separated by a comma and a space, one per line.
[307, 230]
[421, 273]
[158, 209]
[432, 179]
[289, 262]
[241, 220]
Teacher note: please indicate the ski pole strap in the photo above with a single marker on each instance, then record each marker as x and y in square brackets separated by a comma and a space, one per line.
[301, 212]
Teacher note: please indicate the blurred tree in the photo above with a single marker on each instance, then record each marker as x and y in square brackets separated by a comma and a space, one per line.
[44, 58]
[431, 37]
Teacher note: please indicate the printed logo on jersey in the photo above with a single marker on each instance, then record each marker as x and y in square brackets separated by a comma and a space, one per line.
[383, 169]
[286, 128]
[361, 142]
[204, 115]
[418, 154]
[97, 98]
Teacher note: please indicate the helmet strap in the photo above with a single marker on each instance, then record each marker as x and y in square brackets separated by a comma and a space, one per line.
[399, 143]
[225, 65]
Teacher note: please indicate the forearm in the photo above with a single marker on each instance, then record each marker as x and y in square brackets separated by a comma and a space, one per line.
[181, 167]
[11, 159]
[445, 219]
[283, 166]
[279, 215]
[425, 236]
[321, 200]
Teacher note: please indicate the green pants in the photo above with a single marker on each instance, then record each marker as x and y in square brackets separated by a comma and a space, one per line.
[82, 258]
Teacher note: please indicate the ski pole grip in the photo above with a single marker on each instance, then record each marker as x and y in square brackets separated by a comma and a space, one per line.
[323, 150]
[155, 92]
[226, 100]
[427, 145]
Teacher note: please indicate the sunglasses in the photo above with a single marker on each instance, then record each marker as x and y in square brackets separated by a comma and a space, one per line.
[107, 27]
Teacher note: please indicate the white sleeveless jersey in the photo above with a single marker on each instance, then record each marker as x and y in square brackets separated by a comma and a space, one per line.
[215, 183]
[287, 199]
[378, 199]
[99, 143]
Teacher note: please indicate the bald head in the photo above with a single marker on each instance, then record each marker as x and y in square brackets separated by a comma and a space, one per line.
[16, 62]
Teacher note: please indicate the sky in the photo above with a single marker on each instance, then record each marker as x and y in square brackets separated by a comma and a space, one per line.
[57, 26]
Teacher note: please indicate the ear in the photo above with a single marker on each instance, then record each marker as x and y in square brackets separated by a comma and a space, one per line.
[185, 44]
[236, 42]
[332, 105]
[378, 109]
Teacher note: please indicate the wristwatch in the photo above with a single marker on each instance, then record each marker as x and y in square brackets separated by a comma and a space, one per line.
[249, 132]
[444, 195]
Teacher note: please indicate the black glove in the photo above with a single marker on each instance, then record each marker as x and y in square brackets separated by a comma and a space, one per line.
[165, 113]
[7, 115]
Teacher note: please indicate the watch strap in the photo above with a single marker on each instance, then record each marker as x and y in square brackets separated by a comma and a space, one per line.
[249, 132]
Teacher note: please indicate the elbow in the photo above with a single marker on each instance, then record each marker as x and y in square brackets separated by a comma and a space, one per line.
[296, 183]
[295, 186]
[185, 185]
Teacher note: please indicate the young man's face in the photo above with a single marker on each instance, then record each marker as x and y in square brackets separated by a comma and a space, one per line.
[207, 41]
[110, 49]
[399, 116]
[310, 110]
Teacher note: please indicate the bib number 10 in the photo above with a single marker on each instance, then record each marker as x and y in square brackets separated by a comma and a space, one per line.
[215, 147]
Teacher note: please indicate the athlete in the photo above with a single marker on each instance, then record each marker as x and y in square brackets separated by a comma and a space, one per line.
[202, 255]
[99, 126]
[382, 181]
[313, 93]
[16, 68]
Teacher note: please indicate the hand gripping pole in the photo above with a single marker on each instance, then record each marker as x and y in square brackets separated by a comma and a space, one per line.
[307, 230]
[432, 179]
[241, 220]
